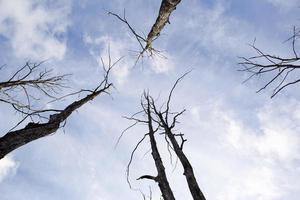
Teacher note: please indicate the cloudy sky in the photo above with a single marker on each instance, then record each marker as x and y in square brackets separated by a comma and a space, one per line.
[242, 145]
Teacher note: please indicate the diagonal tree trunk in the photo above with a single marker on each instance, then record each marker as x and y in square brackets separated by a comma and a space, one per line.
[166, 8]
[15, 139]
[163, 122]
[188, 169]
[33, 131]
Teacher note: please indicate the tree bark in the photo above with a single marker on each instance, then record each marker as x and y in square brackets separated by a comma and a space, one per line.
[15, 139]
[187, 167]
[166, 8]
[161, 177]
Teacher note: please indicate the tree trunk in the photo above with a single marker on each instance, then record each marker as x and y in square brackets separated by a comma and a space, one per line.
[15, 139]
[161, 177]
[166, 8]
[188, 169]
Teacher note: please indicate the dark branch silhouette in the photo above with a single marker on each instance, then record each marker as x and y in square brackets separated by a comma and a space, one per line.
[166, 8]
[282, 70]
[161, 177]
[167, 121]
[29, 81]
[55, 119]
[164, 120]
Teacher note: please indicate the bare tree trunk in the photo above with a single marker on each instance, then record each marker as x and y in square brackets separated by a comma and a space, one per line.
[160, 118]
[161, 177]
[163, 121]
[15, 139]
[27, 78]
[188, 169]
[166, 8]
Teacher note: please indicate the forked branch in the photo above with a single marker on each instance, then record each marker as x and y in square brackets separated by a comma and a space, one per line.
[166, 8]
[281, 71]
[29, 81]
[159, 117]
[32, 131]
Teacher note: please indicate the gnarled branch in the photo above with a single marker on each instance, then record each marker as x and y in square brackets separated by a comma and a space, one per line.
[32, 131]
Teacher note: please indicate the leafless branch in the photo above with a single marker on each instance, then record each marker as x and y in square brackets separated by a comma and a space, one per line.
[277, 67]
[166, 8]
[131, 159]
[178, 148]
[27, 81]
[159, 117]
[56, 118]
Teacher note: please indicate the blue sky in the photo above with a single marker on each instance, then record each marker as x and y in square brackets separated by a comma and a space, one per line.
[242, 145]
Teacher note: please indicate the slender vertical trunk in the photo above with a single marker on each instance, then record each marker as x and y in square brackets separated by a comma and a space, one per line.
[161, 177]
[188, 169]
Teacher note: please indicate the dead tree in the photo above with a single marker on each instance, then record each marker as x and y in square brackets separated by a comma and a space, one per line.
[282, 71]
[161, 177]
[161, 118]
[166, 8]
[27, 81]
[50, 120]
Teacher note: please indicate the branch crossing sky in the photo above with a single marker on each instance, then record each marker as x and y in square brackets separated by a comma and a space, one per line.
[242, 145]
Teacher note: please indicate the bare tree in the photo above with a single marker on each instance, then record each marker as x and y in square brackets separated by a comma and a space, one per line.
[168, 126]
[49, 120]
[28, 81]
[281, 70]
[165, 121]
[161, 177]
[166, 8]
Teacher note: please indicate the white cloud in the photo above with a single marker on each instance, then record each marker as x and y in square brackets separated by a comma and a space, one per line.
[161, 63]
[99, 47]
[33, 29]
[256, 160]
[214, 30]
[233, 159]
[7, 167]
[275, 139]
[281, 128]
[255, 183]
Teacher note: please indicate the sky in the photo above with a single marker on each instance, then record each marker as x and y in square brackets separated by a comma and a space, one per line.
[243, 145]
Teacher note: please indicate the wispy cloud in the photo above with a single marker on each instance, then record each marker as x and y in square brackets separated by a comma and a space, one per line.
[255, 158]
[242, 145]
[104, 48]
[8, 167]
[34, 30]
